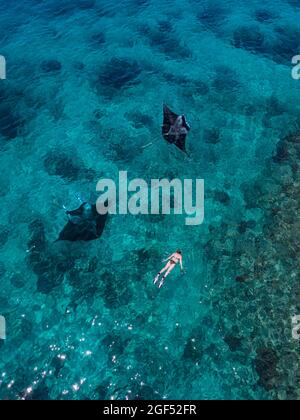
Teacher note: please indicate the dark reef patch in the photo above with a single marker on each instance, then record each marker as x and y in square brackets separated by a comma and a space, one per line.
[293, 138]
[115, 290]
[4, 234]
[141, 3]
[62, 8]
[143, 256]
[100, 392]
[171, 47]
[57, 363]
[194, 346]
[85, 288]
[125, 151]
[287, 42]
[145, 392]
[49, 268]
[211, 136]
[176, 79]
[245, 225]
[68, 7]
[293, 3]
[103, 10]
[282, 152]
[26, 327]
[222, 197]
[266, 362]
[59, 163]
[249, 38]
[78, 65]
[18, 281]
[118, 74]
[200, 88]
[4, 303]
[41, 393]
[249, 110]
[85, 4]
[193, 351]
[274, 107]
[226, 79]
[50, 272]
[139, 119]
[279, 48]
[264, 15]
[242, 278]
[11, 122]
[37, 240]
[98, 39]
[114, 344]
[288, 153]
[211, 16]
[233, 341]
[252, 193]
[165, 26]
[163, 39]
[51, 66]
[20, 380]
[2, 269]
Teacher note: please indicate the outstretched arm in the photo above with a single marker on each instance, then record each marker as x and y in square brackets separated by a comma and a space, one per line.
[181, 264]
[168, 258]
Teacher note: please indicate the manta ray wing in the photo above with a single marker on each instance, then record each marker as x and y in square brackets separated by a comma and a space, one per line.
[180, 142]
[169, 120]
[82, 228]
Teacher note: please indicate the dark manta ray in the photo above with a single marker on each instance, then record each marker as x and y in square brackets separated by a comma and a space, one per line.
[85, 224]
[175, 128]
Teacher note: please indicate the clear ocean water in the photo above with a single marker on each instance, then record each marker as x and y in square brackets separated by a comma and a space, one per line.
[85, 85]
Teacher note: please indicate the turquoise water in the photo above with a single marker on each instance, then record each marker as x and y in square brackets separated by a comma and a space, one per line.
[84, 91]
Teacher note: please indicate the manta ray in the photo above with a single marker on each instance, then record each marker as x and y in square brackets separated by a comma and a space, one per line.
[84, 224]
[175, 128]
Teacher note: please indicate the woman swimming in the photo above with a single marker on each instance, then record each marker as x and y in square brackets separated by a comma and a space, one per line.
[172, 261]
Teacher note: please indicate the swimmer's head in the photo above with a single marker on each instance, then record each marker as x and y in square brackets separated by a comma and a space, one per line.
[178, 251]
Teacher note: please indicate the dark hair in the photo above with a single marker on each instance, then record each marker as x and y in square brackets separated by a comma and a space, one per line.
[178, 251]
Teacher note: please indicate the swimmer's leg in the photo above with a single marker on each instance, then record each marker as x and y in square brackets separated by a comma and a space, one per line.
[156, 278]
[161, 271]
[170, 268]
